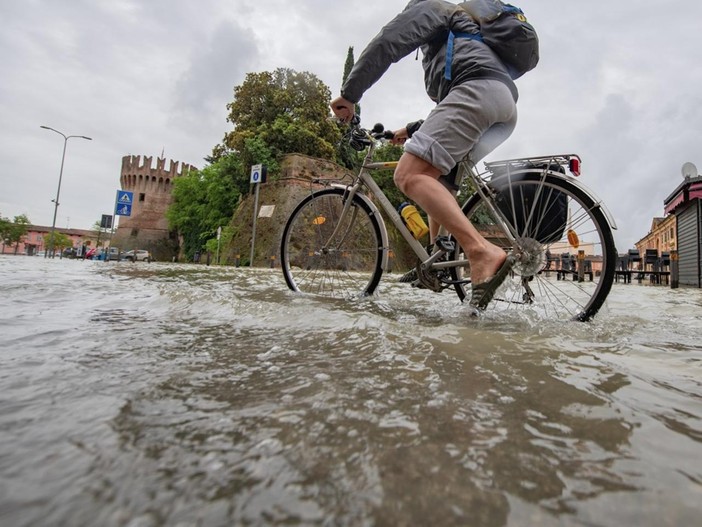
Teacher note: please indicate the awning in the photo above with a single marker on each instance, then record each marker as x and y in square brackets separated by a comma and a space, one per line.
[677, 200]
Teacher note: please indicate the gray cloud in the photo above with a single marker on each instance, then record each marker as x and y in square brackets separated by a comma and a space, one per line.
[617, 83]
[215, 68]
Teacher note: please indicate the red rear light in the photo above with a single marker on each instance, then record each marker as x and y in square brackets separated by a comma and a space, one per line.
[574, 165]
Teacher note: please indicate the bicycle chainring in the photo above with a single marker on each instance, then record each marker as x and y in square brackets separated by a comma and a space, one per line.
[430, 280]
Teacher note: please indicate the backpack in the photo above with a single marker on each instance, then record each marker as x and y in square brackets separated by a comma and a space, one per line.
[546, 214]
[504, 28]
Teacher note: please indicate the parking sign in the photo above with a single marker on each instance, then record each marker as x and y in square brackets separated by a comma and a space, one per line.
[258, 174]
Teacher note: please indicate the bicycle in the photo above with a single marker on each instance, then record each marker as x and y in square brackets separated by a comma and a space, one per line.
[335, 242]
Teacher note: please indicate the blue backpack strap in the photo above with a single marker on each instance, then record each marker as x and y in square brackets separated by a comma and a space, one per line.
[449, 48]
[509, 8]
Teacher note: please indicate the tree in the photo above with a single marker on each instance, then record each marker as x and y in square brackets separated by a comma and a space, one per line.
[205, 200]
[60, 241]
[100, 232]
[4, 230]
[349, 157]
[13, 232]
[284, 110]
[384, 178]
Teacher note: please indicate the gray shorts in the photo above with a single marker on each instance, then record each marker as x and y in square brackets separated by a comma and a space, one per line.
[471, 121]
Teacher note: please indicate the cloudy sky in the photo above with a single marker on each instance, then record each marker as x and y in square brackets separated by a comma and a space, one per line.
[619, 83]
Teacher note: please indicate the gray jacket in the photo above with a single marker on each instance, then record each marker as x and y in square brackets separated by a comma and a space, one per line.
[426, 24]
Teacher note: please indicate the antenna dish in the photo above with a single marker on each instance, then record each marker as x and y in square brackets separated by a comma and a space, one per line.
[689, 170]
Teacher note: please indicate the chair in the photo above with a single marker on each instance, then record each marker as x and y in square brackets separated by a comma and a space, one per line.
[623, 262]
[634, 257]
[565, 262]
[650, 258]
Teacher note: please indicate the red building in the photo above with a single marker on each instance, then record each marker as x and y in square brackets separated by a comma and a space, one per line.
[33, 242]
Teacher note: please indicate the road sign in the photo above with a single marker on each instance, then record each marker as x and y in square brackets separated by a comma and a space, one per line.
[123, 210]
[123, 203]
[106, 221]
[258, 174]
[125, 197]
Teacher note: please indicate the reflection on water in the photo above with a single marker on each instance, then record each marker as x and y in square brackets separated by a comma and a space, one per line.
[161, 394]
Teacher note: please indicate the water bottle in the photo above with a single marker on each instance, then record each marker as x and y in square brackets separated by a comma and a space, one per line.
[413, 220]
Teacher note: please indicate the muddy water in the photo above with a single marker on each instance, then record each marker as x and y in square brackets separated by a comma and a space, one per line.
[162, 394]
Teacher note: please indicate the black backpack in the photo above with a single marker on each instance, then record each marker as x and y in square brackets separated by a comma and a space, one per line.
[550, 207]
[505, 29]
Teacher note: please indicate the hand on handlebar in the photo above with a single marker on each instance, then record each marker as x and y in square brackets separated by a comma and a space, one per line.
[343, 109]
[399, 137]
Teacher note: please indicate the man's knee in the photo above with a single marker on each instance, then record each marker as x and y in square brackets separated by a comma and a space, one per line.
[410, 169]
[401, 180]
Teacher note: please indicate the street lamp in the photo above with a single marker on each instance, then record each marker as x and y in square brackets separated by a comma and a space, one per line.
[58, 190]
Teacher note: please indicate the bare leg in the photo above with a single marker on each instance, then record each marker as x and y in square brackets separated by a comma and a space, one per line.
[419, 180]
[434, 227]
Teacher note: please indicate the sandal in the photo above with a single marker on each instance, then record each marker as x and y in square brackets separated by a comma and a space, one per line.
[483, 292]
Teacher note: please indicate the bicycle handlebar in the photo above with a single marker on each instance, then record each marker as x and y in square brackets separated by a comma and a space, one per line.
[361, 138]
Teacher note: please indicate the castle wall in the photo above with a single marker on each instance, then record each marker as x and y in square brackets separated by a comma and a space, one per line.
[147, 227]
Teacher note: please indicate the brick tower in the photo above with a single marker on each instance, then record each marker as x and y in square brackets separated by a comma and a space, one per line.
[147, 227]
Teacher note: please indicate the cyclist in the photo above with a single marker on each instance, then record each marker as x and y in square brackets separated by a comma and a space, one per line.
[475, 112]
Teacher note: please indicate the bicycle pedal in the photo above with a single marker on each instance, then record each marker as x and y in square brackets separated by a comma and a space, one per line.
[444, 244]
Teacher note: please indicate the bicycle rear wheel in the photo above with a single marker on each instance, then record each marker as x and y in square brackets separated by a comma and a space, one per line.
[565, 246]
[327, 255]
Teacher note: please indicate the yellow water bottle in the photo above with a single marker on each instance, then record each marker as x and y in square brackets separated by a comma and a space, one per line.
[413, 220]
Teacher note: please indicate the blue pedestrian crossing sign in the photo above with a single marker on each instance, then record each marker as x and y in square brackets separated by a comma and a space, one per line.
[123, 204]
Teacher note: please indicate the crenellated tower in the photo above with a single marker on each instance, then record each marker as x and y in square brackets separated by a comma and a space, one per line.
[147, 227]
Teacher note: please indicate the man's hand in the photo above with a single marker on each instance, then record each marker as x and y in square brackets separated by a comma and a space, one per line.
[343, 109]
[399, 137]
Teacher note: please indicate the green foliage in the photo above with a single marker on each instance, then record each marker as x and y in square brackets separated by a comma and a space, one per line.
[13, 231]
[348, 65]
[4, 228]
[216, 247]
[285, 110]
[384, 178]
[347, 156]
[100, 232]
[60, 241]
[205, 200]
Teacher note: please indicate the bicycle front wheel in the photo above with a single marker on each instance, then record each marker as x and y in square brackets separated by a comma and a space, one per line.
[327, 252]
[565, 248]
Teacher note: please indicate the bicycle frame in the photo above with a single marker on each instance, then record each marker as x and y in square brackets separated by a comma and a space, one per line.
[466, 170]
[531, 208]
[365, 179]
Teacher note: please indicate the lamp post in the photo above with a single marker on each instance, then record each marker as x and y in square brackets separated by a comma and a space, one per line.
[58, 190]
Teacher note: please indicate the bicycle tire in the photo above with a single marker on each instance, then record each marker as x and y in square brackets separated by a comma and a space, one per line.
[538, 284]
[348, 266]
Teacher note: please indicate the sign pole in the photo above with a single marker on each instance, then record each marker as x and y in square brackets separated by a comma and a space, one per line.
[125, 199]
[219, 235]
[112, 228]
[258, 175]
[253, 235]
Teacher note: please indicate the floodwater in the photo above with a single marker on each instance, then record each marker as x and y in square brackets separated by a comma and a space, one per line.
[161, 394]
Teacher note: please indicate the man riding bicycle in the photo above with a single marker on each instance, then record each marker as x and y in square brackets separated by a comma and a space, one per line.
[475, 112]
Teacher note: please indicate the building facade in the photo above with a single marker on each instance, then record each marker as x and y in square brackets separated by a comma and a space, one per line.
[685, 203]
[147, 226]
[33, 242]
[662, 237]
